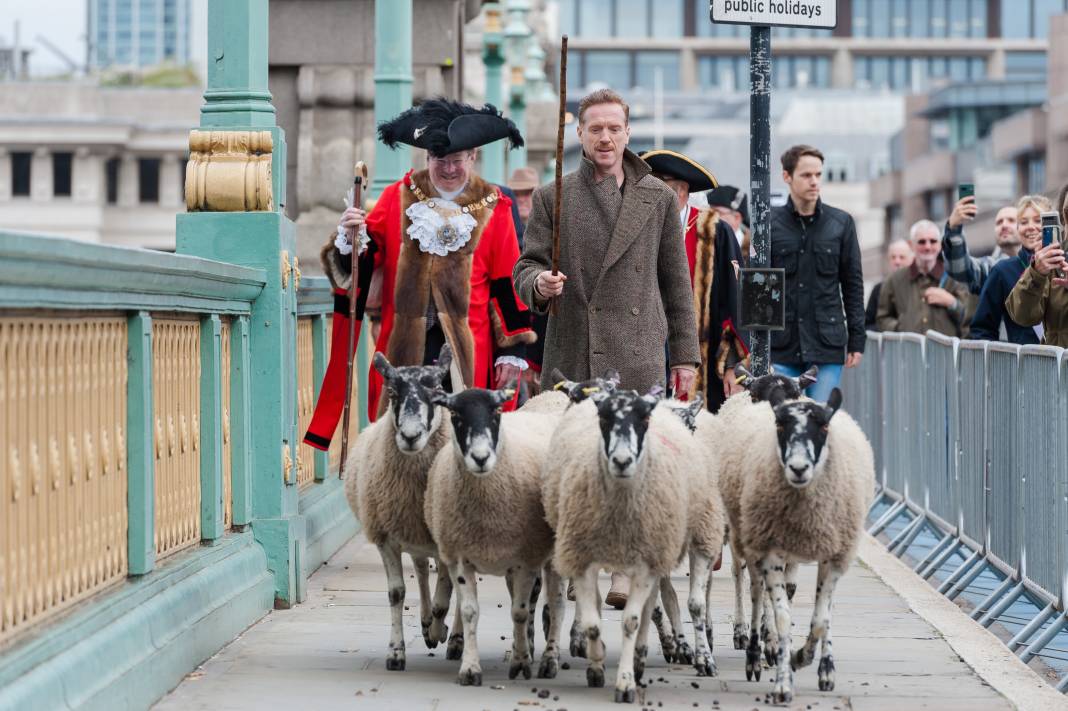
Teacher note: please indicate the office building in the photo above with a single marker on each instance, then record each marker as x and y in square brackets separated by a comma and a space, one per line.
[128, 34]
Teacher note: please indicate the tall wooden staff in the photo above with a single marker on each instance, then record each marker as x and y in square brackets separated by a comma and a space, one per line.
[554, 307]
[359, 178]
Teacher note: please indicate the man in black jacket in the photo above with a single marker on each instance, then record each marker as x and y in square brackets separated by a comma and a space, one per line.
[817, 246]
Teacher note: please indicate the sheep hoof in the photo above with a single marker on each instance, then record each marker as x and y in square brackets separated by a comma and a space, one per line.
[469, 677]
[741, 638]
[428, 636]
[595, 678]
[752, 663]
[439, 632]
[826, 674]
[781, 695]
[683, 653]
[800, 659]
[705, 666]
[625, 696]
[791, 588]
[394, 663]
[455, 648]
[517, 666]
[549, 668]
[771, 656]
[578, 642]
[640, 653]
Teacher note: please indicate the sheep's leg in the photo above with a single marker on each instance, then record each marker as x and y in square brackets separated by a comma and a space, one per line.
[820, 629]
[767, 631]
[422, 575]
[641, 649]
[578, 632]
[471, 667]
[773, 568]
[641, 587]
[700, 571]
[670, 598]
[522, 586]
[752, 650]
[550, 658]
[535, 593]
[791, 580]
[708, 609]
[391, 560]
[738, 569]
[455, 648]
[439, 631]
[663, 627]
[587, 602]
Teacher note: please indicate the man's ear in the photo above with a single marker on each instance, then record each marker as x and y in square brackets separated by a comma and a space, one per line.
[786, 177]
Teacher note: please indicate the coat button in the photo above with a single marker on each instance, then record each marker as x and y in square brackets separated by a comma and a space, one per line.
[637, 267]
[637, 351]
[634, 311]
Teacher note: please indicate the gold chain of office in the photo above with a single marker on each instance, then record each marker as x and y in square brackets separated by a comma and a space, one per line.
[468, 209]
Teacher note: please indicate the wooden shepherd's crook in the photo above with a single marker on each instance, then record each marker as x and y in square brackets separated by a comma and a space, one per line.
[359, 173]
[559, 186]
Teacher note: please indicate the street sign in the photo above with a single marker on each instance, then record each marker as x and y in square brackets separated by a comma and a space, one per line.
[822, 14]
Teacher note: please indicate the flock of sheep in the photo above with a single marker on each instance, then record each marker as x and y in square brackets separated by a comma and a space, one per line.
[590, 476]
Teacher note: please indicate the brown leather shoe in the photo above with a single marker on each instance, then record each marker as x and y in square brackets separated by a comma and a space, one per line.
[618, 593]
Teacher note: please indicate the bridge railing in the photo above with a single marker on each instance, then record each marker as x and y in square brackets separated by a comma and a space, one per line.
[971, 444]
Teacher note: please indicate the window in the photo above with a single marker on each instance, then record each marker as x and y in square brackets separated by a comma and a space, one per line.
[1042, 11]
[594, 18]
[632, 19]
[610, 68]
[1028, 18]
[727, 73]
[958, 18]
[20, 173]
[668, 20]
[148, 179]
[1036, 175]
[111, 180]
[647, 64]
[837, 168]
[919, 18]
[1025, 65]
[62, 164]
[567, 17]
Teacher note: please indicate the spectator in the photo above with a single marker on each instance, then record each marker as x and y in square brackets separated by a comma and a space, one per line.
[898, 254]
[992, 321]
[523, 183]
[817, 246]
[1040, 297]
[922, 297]
[960, 264]
[732, 206]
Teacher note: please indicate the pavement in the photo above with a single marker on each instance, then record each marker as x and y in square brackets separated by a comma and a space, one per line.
[328, 653]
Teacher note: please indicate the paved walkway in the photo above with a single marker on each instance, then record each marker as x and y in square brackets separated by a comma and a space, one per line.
[328, 654]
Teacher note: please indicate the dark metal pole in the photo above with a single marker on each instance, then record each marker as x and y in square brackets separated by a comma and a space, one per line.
[760, 172]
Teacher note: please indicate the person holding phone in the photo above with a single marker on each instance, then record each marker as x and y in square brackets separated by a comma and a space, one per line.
[992, 321]
[1040, 298]
[960, 264]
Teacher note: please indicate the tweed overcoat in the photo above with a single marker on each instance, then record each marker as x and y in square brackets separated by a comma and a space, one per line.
[628, 290]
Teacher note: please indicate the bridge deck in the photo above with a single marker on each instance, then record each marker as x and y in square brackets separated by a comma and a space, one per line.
[328, 653]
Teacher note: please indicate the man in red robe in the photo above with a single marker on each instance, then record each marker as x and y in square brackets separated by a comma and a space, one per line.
[442, 242]
[714, 256]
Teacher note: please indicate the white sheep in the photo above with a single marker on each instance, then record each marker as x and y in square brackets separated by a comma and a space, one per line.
[385, 483]
[801, 495]
[616, 506]
[484, 509]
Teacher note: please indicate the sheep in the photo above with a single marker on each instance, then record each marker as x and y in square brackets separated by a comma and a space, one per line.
[802, 494]
[483, 507]
[617, 508]
[385, 482]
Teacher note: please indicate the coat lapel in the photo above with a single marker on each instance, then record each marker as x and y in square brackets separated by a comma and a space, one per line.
[632, 218]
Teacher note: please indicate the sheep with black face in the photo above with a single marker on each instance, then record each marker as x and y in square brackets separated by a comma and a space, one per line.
[807, 482]
[617, 508]
[385, 483]
[484, 510]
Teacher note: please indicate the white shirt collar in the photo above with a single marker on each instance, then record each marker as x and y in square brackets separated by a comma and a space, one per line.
[684, 214]
[450, 196]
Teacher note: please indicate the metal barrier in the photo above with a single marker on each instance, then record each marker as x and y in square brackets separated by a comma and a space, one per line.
[973, 445]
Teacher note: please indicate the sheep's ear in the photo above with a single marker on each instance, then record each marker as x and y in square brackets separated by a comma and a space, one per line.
[777, 397]
[445, 359]
[440, 397]
[742, 376]
[383, 366]
[657, 390]
[557, 378]
[598, 396]
[505, 394]
[834, 401]
[809, 377]
[697, 404]
[612, 376]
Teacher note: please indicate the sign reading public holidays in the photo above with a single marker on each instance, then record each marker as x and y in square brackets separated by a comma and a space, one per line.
[821, 14]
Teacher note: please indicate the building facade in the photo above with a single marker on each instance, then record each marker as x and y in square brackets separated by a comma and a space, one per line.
[129, 34]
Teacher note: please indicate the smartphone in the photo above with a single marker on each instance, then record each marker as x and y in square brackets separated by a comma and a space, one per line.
[1051, 228]
[965, 190]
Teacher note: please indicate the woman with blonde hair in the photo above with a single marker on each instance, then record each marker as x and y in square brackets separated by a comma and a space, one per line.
[1040, 298]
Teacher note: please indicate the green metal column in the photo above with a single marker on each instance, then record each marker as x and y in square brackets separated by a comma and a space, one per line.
[517, 37]
[140, 448]
[393, 87]
[237, 100]
[493, 58]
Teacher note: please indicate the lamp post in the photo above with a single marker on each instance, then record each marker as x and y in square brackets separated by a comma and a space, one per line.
[393, 88]
[493, 58]
[517, 36]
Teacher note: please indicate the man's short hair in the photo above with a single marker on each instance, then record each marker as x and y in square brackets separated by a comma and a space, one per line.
[794, 154]
[923, 225]
[603, 96]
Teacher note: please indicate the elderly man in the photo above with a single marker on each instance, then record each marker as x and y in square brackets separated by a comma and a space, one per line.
[898, 254]
[960, 264]
[923, 296]
[443, 243]
[623, 289]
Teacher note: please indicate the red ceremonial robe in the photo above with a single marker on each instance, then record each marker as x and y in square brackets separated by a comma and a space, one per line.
[472, 290]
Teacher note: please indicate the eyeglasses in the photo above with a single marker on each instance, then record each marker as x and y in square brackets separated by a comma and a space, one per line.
[450, 162]
[927, 241]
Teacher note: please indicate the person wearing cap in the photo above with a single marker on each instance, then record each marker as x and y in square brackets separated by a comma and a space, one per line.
[732, 205]
[522, 183]
[444, 244]
[713, 255]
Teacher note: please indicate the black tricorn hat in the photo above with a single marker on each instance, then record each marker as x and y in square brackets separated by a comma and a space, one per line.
[675, 165]
[442, 126]
[730, 197]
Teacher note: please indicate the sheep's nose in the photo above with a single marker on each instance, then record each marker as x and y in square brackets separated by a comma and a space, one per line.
[622, 462]
[799, 470]
[480, 461]
[409, 440]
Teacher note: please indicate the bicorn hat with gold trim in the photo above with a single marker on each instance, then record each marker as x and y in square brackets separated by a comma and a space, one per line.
[442, 126]
[669, 164]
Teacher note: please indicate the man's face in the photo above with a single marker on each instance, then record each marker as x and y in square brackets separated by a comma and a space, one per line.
[805, 181]
[451, 172]
[927, 244]
[899, 254]
[731, 217]
[682, 191]
[604, 134]
[1005, 224]
[524, 200]
[1029, 225]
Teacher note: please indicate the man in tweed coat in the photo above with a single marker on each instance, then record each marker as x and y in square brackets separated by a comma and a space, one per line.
[624, 282]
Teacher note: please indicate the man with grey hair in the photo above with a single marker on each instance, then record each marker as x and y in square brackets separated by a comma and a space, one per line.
[922, 296]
